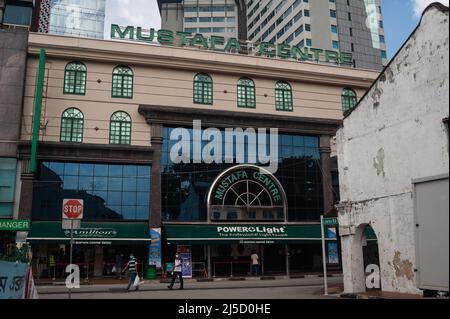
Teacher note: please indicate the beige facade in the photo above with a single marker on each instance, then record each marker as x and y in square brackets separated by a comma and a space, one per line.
[163, 76]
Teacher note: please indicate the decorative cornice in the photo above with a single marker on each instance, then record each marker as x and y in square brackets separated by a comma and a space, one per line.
[210, 61]
[184, 117]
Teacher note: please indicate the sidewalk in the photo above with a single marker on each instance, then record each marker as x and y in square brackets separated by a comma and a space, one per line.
[192, 284]
[124, 281]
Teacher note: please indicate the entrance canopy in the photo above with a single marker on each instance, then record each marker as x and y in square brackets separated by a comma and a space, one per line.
[242, 234]
[90, 233]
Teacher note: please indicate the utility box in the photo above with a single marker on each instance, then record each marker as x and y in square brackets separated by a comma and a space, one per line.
[431, 206]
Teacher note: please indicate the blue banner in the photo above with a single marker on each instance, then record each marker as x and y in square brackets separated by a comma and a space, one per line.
[154, 255]
[186, 256]
[12, 279]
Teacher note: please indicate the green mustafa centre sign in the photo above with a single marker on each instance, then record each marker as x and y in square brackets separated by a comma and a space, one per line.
[219, 43]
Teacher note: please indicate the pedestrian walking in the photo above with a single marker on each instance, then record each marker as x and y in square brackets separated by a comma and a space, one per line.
[52, 266]
[132, 269]
[255, 263]
[177, 271]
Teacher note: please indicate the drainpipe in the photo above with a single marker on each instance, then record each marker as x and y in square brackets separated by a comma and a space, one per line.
[37, 112]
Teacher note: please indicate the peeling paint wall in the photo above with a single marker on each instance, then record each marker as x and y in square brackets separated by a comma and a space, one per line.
[394, 136]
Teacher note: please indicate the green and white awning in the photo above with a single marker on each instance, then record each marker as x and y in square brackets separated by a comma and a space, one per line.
[90, 233]
[242, 233]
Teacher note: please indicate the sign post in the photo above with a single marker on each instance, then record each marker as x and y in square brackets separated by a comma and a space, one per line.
[333, 221]
[72, 211]
[324, 257]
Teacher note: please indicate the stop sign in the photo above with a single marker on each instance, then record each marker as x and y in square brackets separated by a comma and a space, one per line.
[73, 209]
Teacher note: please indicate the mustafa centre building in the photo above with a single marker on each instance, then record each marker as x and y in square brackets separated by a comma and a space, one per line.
[182, 142]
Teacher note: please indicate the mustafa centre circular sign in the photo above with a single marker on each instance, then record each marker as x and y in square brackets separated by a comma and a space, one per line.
[246, 189]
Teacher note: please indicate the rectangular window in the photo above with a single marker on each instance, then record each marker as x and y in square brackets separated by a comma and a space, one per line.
[18, 13]
[8, 168]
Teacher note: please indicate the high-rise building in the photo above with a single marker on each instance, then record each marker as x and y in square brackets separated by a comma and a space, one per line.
[218, 17]
[83, 18]
[348, 25]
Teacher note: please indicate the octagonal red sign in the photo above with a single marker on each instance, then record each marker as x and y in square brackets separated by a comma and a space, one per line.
[73, 209]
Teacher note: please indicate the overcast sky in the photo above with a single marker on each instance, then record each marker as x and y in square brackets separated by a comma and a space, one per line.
[400, 17]
[143, 13]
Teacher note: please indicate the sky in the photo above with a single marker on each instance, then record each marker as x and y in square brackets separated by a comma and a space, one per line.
[400, 17]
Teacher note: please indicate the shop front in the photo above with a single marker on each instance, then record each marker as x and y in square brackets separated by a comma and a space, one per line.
[97, 249]
[225, 249]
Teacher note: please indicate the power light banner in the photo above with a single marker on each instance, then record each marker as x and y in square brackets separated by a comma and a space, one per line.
[154, 256]
[186, 256]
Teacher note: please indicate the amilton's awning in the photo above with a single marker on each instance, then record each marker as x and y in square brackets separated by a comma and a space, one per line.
[90, 233]
[226, 234]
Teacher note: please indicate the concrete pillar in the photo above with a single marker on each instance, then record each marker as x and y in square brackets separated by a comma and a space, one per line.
[353, 264]
[26, 191]
[325, 162]
[208, 255]
[288, 261]
[155, 198]
[98, 261]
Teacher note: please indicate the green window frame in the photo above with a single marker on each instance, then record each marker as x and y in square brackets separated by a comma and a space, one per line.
[246, 95]
[72, 124]
[122, 82]
[203, 89]
[349, 99]
[75, 75]
[283, 96]
[120, 128]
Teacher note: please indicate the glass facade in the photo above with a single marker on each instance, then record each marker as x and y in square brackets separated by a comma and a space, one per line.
[184, 187]
[8, 167]
[110, 191]
[84, 18]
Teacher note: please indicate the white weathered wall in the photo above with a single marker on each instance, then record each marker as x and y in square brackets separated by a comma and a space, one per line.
[394, 136]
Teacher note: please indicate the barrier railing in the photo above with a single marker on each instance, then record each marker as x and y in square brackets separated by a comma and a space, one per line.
[231, 263]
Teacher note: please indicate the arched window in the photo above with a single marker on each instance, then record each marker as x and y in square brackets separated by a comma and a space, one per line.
[122, 82]
[203, 89]
[120, 128]
[283, 96]
[349, 99]
[75, 78]
[72, 122]
[246, 93]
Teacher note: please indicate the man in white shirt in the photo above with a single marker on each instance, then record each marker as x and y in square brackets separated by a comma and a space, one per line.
[177, 271]
[255, 263]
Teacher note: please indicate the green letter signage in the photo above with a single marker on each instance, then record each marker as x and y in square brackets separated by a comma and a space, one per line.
[15, 224]
[284, 51]
[122, 34]
[233, 45]
[300, 54]
[183, 36]
[267, 49]
[216, 40]
[142, 37]
[165, 37]
[199, 40]
[346, 58]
